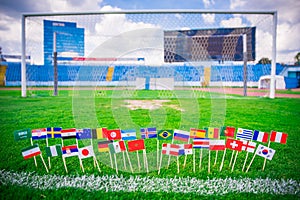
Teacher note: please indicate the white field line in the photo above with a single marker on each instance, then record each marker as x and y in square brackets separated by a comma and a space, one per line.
[114, 183]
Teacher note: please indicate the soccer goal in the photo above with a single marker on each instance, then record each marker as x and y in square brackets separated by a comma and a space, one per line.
[147, 49]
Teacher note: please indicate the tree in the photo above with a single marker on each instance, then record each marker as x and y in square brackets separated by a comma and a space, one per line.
[297, 59]
[264, 61]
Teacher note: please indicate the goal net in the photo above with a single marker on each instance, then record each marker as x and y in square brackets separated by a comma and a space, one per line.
[163, 50]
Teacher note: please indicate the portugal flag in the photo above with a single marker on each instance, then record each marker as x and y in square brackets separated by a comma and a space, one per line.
[136, 145]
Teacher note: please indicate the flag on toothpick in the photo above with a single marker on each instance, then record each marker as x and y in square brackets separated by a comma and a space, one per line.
[53, 151]
[31, 151]
[22, 134]
[248, 146]
[114, 134]
[99, 133]
[136, 145]
[181, 135]
[278, 137]
[71, 150]
[187, 149]
[128, 134]
[244, 134]
[54, 132]
[148, 133]
[260, 136]
[197, 133]
[82, 134]
[227, 131]
[212, 132]
[68, 133]
[201, 143]
[103, 145]
[117, 147]
[265, 152]
[233, 144]
[38, 134]
[86, 152]
[172, 149]
[217, 145]
[165, 135]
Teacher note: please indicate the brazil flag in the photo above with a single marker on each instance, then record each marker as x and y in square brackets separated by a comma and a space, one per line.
[165, 135]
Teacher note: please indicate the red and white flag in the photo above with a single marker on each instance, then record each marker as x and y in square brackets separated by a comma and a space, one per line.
[234, 144]
[248, 146]
[86, 152]
[217, 145]
[278, 137]
[114, 134]
[187, 149]
[172, 149]
[265, 152]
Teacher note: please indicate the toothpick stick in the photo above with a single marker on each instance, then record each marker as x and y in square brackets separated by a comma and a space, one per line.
[49, 161]
[95, 161]
[116, 163]
[264, 165]
[177, 164]
[111, 162]
[216, 158]
[194, 162]
[34, 158]
[64, 161]
[185, 157]
[250, 163]
[234, 161]
[245, 161]
[232, 154]
[157, 153]
[223, 158]
[169, 159]
[138, 159]
[124, 161]
[129, 161]
[200, 158]
[146, 161]
[208, 161]
[160, 164]
[44, 163]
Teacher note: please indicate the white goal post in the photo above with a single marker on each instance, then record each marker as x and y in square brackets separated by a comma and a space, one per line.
[212, 13]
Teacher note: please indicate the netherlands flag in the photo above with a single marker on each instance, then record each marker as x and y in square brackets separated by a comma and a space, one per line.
[278, 137]
[260, 136]
[181, 135]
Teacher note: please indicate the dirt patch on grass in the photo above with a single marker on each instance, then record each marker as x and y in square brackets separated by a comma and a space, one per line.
[149, 104]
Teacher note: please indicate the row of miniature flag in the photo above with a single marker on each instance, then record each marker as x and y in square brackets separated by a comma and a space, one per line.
[148, 133]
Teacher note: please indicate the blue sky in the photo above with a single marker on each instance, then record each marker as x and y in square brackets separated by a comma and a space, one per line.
[288, 28]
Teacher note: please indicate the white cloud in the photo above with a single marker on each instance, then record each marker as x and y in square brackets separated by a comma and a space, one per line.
[232, 22]
[208, 18]
[208, 3]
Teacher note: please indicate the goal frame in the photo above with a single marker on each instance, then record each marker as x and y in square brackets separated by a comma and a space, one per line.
[25, 15]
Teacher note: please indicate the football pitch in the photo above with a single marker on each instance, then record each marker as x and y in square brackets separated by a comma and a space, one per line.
[131, 109]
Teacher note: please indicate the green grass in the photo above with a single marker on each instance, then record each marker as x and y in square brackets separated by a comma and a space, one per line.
[106, 109]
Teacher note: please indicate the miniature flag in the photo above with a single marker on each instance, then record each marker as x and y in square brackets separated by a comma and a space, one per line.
[278, 137]
[260, 136]
[244, 134]
[217, 145]
[234, 144]
[187, 149]
[136, 145]
[99, 133]
[38, 134]
[54, 150]
[197, 133]
[181, 135]
[114, 134]
[70, 150]
[227, 131]
[31, 151]
[248, 146]
[212, 132]
[117, 147]
[82, 134]
[165, 135]
[172, 149]
[103, 145]
[128, 134]
[201, 143]
[54, 132]
[148, 133]
[265, 152]
[68, 133]
[86, 152]
[22, 134]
